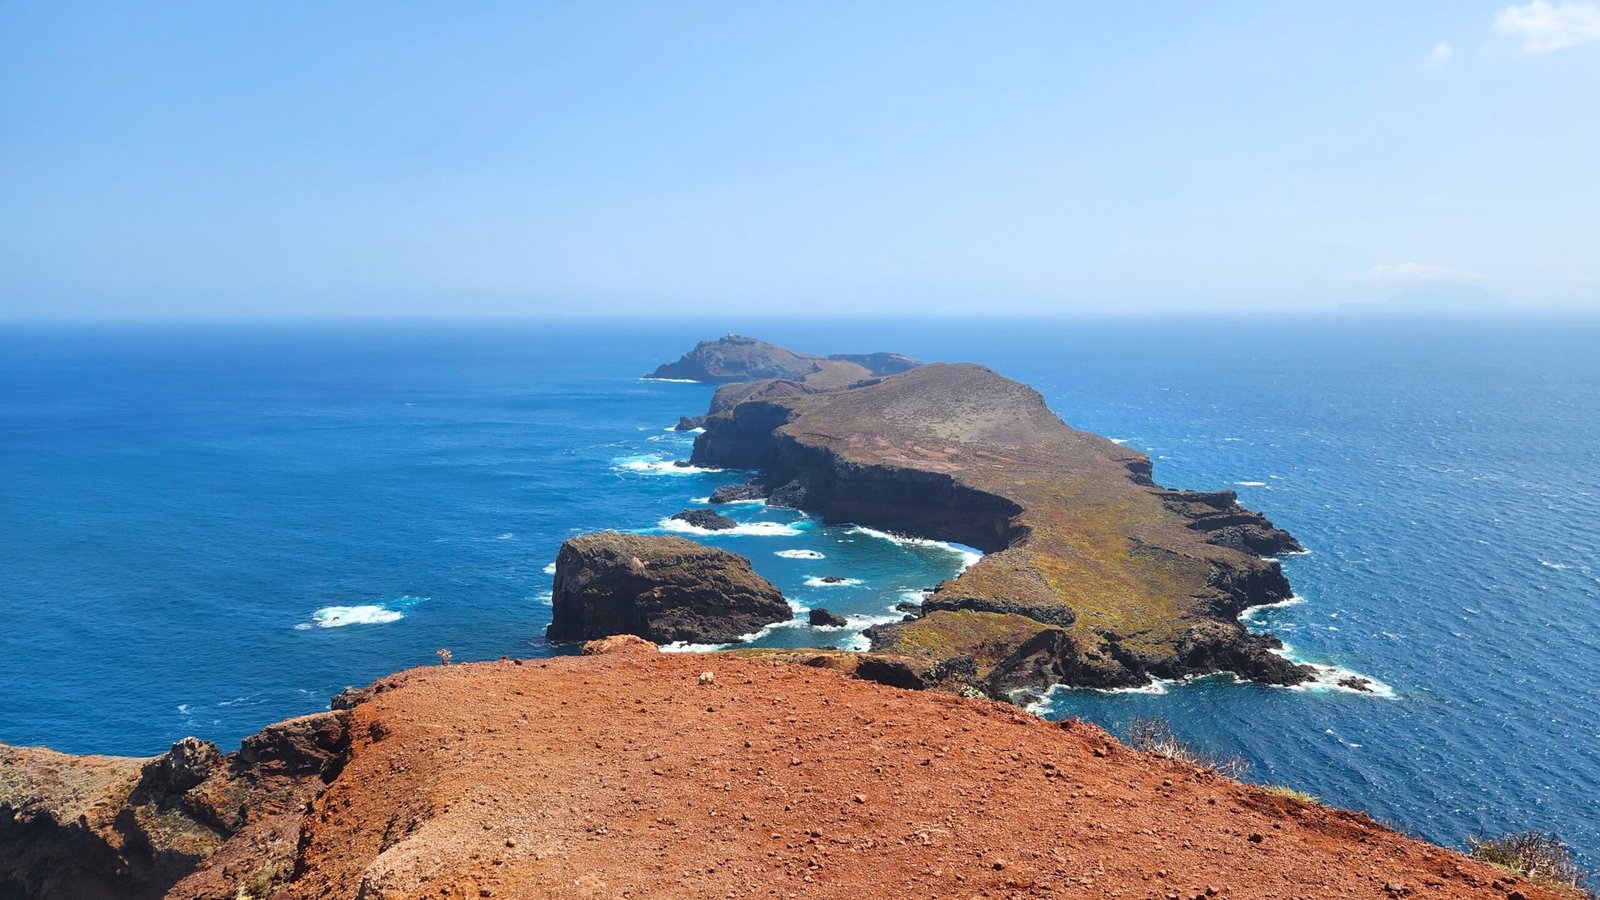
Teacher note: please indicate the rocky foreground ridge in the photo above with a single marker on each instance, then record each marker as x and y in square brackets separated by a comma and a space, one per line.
[1094, 575]
[633, 773]
[116, 828]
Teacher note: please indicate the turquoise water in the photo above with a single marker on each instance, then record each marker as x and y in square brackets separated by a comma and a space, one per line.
[205, 529]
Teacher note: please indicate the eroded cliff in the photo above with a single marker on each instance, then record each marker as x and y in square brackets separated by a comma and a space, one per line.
[1093, 574]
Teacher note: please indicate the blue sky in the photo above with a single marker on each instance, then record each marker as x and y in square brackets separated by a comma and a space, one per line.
[286, 159]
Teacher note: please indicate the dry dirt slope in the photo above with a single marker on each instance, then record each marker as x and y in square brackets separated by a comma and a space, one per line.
[622, 775]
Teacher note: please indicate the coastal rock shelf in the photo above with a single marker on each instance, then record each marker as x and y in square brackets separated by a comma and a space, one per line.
[1093, 575]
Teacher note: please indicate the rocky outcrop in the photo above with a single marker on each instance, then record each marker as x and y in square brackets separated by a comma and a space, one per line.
[662, 589]
[1093, 573]
[90, 827]
[631, 773]
[709, 519]
[822, 618]
[733, 358]
[737, 493]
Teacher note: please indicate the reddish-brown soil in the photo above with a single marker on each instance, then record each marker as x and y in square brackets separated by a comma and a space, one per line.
[623, 775]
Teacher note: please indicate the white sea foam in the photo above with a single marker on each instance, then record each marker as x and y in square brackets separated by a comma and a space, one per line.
[1252, 615]
[365, 614]
[1554, 565]
[545, 597]
[670, 380]
[1118, 441]
[858, 641]
[673, 429]
[817, 582]
[798, 554]
[657, 466]
[752, 529]
[505, 537]
[550, 569]
[969, 556]
[686, 647]
[1251, 483]
[1328, 678]
[915, 595]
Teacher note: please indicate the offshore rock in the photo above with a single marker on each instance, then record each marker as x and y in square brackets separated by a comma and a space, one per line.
[709, 519]
[735, 493]
[660, 588]
[734, 358]
[822, 618]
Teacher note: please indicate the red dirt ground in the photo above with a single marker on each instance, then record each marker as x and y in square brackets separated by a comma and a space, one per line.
[622, 775]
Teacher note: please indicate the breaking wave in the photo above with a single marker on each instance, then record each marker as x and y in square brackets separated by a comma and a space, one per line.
[969, 556]
[753, 529]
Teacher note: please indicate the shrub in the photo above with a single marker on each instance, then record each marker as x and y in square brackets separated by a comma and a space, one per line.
[1536, 856]
[1283, 790]
[1154, 735]
[444, 656]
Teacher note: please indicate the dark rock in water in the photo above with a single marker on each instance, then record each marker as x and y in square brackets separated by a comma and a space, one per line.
[831, 579]
[906, 606]
[660, 588]
[1356, 683]
[709, 519]
[687, 423]
[821, 617]
[683, 464]
[733, 358]
[791, 494]
[732, 493]
[1221, 646]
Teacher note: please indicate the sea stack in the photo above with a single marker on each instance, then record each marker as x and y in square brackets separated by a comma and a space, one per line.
[661, 588]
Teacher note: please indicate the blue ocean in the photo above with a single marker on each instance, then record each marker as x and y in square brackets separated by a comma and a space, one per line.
[206, 528]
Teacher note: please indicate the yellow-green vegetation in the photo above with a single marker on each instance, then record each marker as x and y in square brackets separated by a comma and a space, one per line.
[1539, 857]
[1088, 535]
[986, 637]
[1283, 790]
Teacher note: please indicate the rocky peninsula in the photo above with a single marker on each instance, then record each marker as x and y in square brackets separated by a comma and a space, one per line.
[1093, 574]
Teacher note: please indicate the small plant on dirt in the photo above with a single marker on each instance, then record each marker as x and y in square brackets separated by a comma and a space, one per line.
[444, 656]
[1283, 790]
[1154, 735]
[1539, 857]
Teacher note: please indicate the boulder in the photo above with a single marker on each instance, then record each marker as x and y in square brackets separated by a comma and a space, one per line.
[824, 618]
[660, 588]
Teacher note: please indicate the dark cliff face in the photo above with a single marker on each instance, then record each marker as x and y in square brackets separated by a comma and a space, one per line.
[92, 827]
[1121, 579]
[662, 589]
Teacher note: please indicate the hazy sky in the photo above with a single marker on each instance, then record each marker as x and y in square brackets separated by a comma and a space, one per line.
[473, 158]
